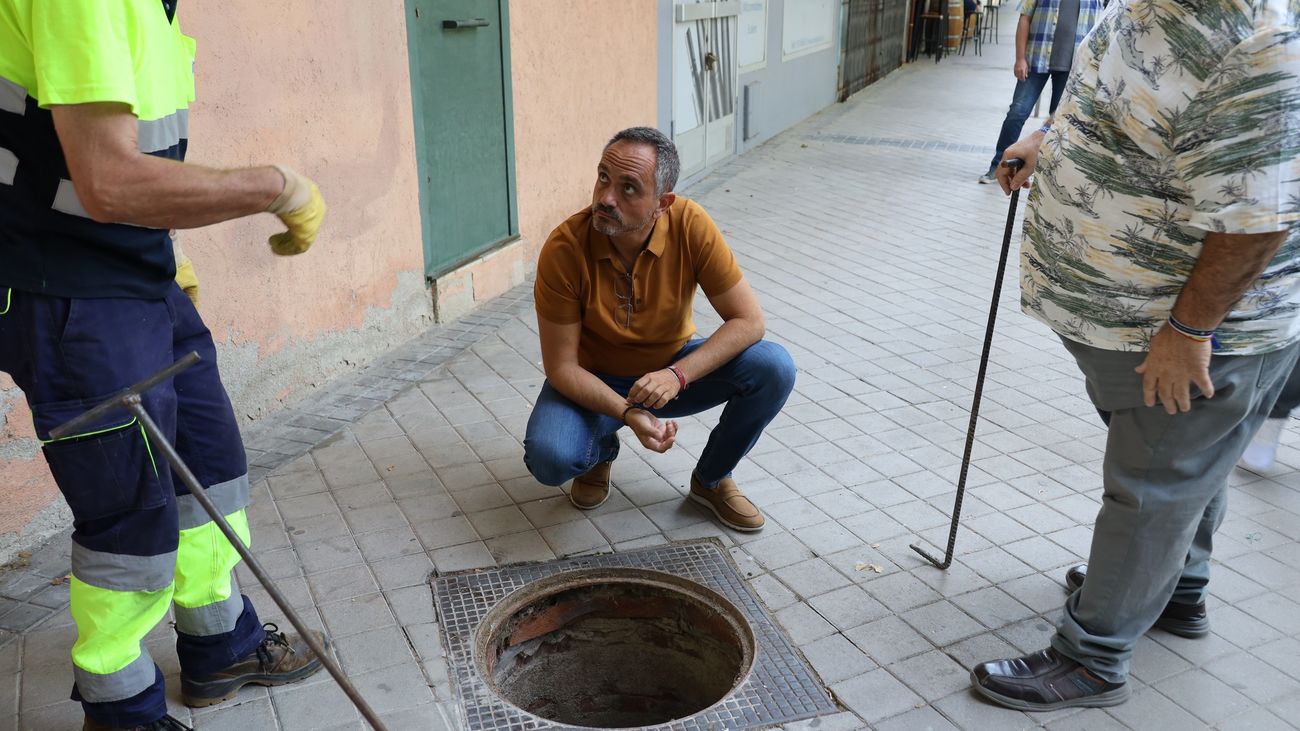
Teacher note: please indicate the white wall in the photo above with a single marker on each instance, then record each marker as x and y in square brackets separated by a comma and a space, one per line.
[789, 88]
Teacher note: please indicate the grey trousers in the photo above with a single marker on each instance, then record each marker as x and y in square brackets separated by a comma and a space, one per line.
[1165, 493]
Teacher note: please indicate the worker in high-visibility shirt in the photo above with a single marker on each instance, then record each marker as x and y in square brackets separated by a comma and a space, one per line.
[93, 131]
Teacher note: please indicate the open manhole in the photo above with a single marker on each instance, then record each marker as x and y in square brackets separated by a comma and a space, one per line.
[662, 638]
[614, 648]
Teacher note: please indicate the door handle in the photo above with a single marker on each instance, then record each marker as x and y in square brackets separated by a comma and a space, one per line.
[469, 23]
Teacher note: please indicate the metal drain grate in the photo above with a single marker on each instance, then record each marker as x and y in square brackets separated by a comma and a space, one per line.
[780, 689]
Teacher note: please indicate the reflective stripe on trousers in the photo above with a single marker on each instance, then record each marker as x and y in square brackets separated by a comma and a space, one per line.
[140, 541]
[110, 661]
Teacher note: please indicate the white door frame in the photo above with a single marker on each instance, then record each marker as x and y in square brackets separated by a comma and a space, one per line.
[703, 27]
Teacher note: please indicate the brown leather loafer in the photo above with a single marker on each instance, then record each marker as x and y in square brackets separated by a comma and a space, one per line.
[591, 490]
[166, 723]
[1045, 681]
[1185, 620]
[279, 660]
[729, 504]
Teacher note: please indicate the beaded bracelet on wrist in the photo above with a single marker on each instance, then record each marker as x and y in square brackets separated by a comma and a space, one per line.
[1198, 335]
[681, 379]
[623, 418]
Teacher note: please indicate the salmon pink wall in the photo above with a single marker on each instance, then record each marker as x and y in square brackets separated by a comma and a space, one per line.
[579, 75]
[322, 87]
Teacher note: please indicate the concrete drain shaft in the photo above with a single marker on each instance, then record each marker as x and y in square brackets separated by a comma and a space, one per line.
[614, 648]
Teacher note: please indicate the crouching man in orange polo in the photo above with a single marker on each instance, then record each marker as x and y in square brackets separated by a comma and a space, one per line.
[615, 286]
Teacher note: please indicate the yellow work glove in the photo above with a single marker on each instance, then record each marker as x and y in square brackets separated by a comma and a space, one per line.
[301, 209]
[186, 278]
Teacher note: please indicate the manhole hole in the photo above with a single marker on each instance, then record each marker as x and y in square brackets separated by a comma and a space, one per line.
[524, 645]
[614, 648]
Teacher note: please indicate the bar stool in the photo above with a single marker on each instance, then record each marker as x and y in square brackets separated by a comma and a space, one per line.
[989, 21]
[972, 34]
[934, 26]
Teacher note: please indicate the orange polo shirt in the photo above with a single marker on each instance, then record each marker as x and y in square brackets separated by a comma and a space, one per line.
[577, 281]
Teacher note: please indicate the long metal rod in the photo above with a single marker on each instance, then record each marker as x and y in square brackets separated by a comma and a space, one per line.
[116, 403]
[131, 401]
[180, 469]
[943, 565]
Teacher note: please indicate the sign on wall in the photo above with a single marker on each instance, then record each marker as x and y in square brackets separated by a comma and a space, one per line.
[752, 53]
[808, 26]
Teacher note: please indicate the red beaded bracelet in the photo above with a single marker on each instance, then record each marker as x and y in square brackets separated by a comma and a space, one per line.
[681, 380]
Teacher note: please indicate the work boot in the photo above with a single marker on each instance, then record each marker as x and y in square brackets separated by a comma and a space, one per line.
[1185, 620]
[591, 490]
[278, 660]
[1045, 681]
[166, 723]
[733, 509]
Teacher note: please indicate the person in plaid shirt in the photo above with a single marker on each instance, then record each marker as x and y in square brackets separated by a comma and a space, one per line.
[1048, 33]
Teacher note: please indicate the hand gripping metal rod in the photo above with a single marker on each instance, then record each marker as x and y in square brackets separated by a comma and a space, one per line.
[1015, 164]
[129, 399]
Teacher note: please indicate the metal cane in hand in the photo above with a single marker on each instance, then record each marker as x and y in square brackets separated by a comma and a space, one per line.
[1015, 164]
[129, 399]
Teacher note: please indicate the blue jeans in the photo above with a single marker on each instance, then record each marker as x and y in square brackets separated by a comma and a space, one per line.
[565, 440]
[1022, 103]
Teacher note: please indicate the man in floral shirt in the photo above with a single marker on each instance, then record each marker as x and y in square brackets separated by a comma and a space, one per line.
[1161, 245]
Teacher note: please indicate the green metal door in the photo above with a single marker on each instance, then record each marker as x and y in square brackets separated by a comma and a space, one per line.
[460, 61]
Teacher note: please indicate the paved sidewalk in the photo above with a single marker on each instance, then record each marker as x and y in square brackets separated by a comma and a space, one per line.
[873, 252]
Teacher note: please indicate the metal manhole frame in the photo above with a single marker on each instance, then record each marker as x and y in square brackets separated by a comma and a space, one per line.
[781, 686]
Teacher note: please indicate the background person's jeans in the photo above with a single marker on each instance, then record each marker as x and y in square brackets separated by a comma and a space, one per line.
[1022, 103]
[565, 440]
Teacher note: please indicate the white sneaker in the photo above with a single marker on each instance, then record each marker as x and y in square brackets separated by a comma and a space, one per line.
[989, 178]
[1262, 450]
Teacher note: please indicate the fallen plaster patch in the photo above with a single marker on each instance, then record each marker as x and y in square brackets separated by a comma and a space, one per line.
[17, 439]
[258, 386]
[30, 507]
[47, 523]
